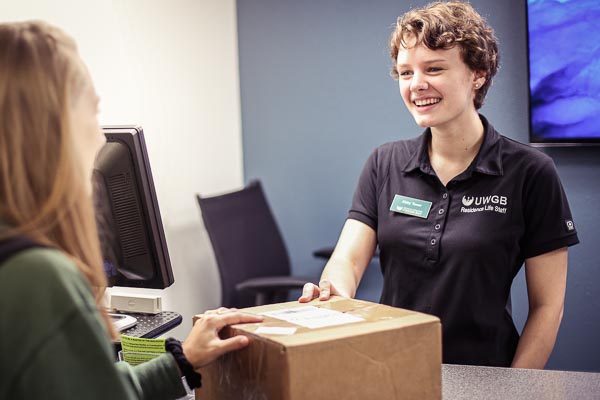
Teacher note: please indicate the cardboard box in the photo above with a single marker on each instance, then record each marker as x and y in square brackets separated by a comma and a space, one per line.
[375, 352]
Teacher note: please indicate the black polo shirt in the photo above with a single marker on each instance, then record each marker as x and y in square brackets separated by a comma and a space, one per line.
[458, 260]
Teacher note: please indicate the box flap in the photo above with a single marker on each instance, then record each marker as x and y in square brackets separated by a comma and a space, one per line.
[373, 317]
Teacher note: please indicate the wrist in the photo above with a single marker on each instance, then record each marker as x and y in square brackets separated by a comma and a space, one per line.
[194, 379]
[187, 353]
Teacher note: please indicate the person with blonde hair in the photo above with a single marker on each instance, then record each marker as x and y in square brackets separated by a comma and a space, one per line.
[54, 333]
[457, 211]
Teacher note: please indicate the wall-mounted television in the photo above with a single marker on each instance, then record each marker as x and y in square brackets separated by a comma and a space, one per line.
[564, 72]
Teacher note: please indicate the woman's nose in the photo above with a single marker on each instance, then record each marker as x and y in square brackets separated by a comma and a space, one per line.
[418, 83]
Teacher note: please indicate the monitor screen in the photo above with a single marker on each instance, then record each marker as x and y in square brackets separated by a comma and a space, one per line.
[129, 224]
[564, 71]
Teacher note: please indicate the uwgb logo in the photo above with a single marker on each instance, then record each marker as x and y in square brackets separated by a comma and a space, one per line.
[478, 201]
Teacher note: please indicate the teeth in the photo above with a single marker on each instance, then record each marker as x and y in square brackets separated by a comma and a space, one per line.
[426, 102]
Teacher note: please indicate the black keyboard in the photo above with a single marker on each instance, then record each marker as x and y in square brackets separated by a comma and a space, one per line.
[153, 325]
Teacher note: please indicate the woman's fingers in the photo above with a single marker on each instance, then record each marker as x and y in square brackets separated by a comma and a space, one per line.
[232, 317]
[312, 291]
[309, 291]
[232, 344]
[203, 344]
[324, 289]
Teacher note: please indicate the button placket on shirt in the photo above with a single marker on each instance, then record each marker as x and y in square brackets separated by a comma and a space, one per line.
[433, 244]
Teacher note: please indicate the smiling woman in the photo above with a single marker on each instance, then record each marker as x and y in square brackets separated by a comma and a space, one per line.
[491, 203]
[444, 28]
[437, 87]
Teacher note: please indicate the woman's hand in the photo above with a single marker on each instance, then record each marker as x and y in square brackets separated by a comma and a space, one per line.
[347, 264]
[324, 291]
[203, 345]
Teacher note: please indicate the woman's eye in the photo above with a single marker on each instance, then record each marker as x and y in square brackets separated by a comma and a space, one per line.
[405, 73]
[434, 69]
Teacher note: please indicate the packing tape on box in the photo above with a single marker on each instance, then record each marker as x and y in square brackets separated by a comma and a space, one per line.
[249, 390]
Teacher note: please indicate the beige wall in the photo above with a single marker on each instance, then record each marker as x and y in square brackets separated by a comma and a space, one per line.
[171, 67]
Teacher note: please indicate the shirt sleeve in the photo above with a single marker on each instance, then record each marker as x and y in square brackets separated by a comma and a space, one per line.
[364, 201]
[65, 349]
[548, 221]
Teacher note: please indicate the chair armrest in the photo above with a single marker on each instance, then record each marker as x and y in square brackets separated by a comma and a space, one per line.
[324, 252]
[271, 283]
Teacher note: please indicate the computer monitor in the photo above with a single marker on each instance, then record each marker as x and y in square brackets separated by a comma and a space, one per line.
[127, 214]
[564, 104]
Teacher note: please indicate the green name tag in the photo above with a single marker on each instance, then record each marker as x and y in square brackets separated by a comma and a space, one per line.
[410, 206]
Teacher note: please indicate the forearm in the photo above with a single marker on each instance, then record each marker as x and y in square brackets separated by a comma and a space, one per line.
[538, 337]
[342, 276]
[351, 256]
[346, 265]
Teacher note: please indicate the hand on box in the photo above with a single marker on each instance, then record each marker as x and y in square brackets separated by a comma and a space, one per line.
[203, 345]
[324, 291]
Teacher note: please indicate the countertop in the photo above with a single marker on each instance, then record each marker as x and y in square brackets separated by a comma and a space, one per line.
[470, 382]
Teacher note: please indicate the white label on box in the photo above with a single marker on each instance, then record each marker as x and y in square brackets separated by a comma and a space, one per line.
[275, 330]
[313, 317]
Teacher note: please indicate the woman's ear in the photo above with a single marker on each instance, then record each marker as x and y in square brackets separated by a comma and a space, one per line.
[479, 80]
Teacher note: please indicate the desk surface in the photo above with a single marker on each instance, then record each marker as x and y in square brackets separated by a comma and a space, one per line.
[468, 382]
[153, 325]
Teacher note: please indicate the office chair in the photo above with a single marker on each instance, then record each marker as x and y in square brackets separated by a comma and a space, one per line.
[251, 256]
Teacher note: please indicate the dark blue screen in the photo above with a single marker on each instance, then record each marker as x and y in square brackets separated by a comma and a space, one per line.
[564, 70]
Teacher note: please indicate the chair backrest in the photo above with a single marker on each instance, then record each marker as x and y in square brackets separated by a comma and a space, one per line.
[246, 240]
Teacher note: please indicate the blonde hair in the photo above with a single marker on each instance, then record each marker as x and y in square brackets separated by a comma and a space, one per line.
[43, 192]
[443, 25]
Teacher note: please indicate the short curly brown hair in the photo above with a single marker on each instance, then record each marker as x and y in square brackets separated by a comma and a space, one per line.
[443, 25]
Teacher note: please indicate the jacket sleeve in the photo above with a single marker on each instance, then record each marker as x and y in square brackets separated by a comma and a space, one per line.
[62, 350]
